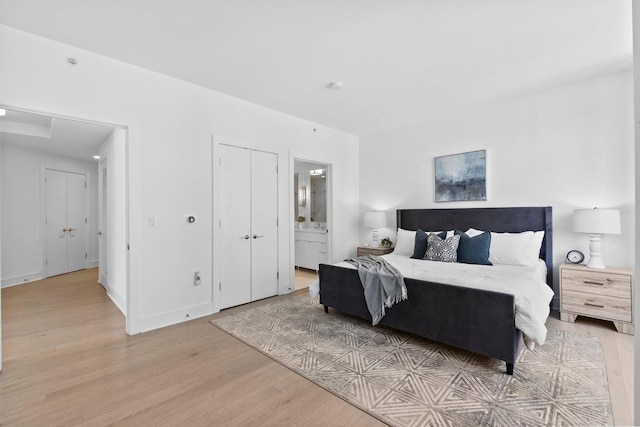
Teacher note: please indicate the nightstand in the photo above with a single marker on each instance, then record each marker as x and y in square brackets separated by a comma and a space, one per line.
[372, 250]
[605, 293]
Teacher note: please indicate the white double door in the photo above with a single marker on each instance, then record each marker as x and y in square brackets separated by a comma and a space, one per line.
[65, 223]
[248, 225]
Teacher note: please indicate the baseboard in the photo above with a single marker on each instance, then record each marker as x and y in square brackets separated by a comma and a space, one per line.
[19, 280]
[93, 263]
[118, 301]
[150, 323]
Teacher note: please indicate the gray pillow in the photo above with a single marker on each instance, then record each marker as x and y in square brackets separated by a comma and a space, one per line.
[442, 250]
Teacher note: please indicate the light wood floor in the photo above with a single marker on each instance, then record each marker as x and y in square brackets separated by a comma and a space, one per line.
[304, 278]
[67, 361]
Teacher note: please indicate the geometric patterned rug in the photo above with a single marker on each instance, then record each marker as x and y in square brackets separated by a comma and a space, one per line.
[405, 380]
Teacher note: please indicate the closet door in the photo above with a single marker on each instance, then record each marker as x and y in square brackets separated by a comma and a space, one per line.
[56, 222]
[76, 227]
[65, 234]
[235, 227]
[264, 225]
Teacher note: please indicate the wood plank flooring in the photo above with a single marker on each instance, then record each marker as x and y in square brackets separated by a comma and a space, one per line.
[67, 361]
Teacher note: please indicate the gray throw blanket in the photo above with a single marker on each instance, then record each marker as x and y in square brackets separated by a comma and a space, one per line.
[383, 284]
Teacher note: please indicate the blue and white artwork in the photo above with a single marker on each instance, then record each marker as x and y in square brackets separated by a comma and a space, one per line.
[461, 177]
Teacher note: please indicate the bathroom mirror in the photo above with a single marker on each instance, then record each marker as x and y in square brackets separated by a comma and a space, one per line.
[310, 194]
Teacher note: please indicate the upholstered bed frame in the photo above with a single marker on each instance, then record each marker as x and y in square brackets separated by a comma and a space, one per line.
[472, 319]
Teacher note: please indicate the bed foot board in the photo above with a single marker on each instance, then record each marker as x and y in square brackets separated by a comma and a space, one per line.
[326, 309]
[509, 368]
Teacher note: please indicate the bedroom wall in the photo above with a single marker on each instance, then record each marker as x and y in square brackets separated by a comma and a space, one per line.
[22, 243]
[569, 147]
[170, 125]
[636, 91]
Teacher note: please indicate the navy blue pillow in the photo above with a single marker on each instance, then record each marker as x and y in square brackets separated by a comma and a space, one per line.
[474, 250]
[420, 246]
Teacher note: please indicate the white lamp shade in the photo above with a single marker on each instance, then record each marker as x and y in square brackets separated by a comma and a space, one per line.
[596, 221]
[375, 220]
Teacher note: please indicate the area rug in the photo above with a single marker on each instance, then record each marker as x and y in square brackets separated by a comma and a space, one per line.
[404, 380]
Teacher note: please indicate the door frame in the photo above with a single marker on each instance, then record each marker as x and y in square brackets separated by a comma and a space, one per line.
[43, 210]
[284, 280]
[131, 324]
[103, 253]
[292, 189]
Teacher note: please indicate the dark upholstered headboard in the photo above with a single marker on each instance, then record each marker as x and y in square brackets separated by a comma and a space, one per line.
[500, 220]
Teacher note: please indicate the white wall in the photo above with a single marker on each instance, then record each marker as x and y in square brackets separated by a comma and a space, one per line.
[0, 259]
[636, 295]
[170, 124]
[22, 216]
[569, 147]
[112, 151]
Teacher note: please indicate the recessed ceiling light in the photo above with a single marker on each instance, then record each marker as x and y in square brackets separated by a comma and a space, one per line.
[3, 112]
[96, 157]
[72, 61]
[335, 85]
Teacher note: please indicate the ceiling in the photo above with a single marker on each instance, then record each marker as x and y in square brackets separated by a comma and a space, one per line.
[54, 135]
[401, 61]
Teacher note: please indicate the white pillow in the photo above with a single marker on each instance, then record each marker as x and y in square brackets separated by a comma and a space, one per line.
[513, 248]
[405, 242]
[472, 232]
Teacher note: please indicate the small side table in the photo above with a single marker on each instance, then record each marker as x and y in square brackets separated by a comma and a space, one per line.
[372, 250]
[605, 293]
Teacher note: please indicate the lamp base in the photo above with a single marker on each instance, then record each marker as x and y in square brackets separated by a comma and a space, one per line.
[595, 259]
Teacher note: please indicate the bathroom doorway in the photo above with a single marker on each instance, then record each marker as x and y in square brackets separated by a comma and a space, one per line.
[311, 200]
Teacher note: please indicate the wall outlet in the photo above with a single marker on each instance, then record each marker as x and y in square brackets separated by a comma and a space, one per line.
[196, 278]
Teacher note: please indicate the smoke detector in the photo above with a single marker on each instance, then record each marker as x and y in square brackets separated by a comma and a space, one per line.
[335, 85]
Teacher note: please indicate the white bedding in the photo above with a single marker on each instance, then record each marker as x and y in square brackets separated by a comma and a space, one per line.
[527, 284]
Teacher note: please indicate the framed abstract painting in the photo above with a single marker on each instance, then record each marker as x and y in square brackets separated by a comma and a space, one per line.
[461, 177]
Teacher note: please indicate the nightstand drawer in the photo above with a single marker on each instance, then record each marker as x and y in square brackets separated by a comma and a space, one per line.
[615, 285]
[601, 306]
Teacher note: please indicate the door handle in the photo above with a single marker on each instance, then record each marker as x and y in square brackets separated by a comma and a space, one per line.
[99, 233]
[72, 229]
[255, 236]
[64, 230]
[246, 236]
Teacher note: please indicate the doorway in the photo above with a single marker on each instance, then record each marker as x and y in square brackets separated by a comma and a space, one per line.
[33, 146]
[311, 218]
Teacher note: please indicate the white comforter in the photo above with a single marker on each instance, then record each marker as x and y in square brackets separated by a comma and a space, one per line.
[527, 284]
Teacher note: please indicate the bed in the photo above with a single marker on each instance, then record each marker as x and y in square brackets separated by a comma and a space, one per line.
[477, 320]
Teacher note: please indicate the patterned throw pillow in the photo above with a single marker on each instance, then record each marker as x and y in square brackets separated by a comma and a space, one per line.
[442, 250]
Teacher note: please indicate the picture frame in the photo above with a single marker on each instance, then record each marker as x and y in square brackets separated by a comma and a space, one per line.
[461, 177]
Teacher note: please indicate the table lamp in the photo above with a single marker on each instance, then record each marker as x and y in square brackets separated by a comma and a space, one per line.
[375, 220]
[596, 222]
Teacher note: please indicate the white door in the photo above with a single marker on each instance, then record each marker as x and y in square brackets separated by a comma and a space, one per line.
[103, 267]
[264, 224]
[65, 222]
[76, 222]
[235, 227]
[56, 222]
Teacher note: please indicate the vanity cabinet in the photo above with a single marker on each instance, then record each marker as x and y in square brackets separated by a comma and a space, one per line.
[311, 248]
